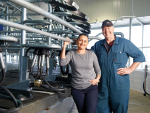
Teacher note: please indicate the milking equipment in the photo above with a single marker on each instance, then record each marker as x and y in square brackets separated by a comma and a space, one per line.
[41, 55]
[144, 83]
[5, 94]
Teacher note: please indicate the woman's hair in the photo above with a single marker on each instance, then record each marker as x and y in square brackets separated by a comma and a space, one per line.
[83, 35]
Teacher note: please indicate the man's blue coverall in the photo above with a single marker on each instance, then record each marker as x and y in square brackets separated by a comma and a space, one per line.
[113, 88]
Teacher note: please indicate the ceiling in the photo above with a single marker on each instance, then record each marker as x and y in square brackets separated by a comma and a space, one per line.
[124, 22]
[99, 10]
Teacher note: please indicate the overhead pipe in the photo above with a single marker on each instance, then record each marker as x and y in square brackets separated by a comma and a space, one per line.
[119, 33]
[41, 11]
[115, 33]
[98, 34]
[123, 18]
[24, 27]
[94, 37]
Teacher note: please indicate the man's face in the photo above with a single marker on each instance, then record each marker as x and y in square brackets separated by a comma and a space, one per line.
[108, 31]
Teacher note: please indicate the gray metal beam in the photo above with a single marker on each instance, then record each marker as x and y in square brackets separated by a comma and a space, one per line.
[45, 13]
[23, 27]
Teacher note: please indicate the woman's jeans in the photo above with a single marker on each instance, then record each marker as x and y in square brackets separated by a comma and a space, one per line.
[86, 99]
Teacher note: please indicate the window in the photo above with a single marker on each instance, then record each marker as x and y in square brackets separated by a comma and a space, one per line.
[146, 38]
[124, 30]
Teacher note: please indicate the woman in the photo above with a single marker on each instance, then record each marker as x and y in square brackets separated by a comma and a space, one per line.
[84, 80]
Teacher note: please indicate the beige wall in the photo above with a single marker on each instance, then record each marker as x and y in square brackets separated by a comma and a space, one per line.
[109, 9]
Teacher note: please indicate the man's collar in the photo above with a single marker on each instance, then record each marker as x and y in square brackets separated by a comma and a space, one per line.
[116, 40]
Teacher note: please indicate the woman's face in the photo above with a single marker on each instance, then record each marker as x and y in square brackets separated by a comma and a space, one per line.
[82, 42]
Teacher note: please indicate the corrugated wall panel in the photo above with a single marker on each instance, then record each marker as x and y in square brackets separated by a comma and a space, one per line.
[110, 9]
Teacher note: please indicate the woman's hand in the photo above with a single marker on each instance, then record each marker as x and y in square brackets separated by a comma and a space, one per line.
[94, 81]
[67, 42]
[74, 42]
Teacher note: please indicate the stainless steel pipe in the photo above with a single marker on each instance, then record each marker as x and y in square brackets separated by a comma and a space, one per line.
[24, 27]
[41, 11]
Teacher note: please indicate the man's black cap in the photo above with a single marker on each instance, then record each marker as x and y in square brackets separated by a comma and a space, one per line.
[107, 23]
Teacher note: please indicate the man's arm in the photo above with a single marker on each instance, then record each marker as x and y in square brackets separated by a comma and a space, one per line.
[137, 56]
[123, 71]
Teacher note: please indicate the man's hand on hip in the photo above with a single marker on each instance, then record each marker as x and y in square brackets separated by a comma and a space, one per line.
[123, 71]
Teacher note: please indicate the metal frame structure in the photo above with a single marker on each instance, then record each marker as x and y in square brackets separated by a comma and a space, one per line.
[51, 30]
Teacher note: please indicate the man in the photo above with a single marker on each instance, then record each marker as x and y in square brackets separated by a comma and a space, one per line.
[114, 86]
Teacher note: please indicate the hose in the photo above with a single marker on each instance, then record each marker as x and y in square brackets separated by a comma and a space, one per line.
[53, 88]
[17, 103]
[62, 70]
[3, 76]
[145, 92]
[31, 70]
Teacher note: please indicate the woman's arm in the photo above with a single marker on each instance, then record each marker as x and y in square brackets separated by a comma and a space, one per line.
[97, 70]
[64, 49]
[95, 81]
[65, 58]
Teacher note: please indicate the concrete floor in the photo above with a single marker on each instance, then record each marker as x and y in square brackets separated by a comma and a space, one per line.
[137, 103]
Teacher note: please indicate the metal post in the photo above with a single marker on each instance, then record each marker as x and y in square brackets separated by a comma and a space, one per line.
[142, 41]
[6, 59]
[9, 56]
[145, 75]
[142, 36]
[17, 58]
[19, 61]
[50, 20]
[7, 11]
[23, 37]
[130, 29]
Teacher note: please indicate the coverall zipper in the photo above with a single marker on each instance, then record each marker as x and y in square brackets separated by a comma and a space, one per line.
[108, 62]
[109, 49]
